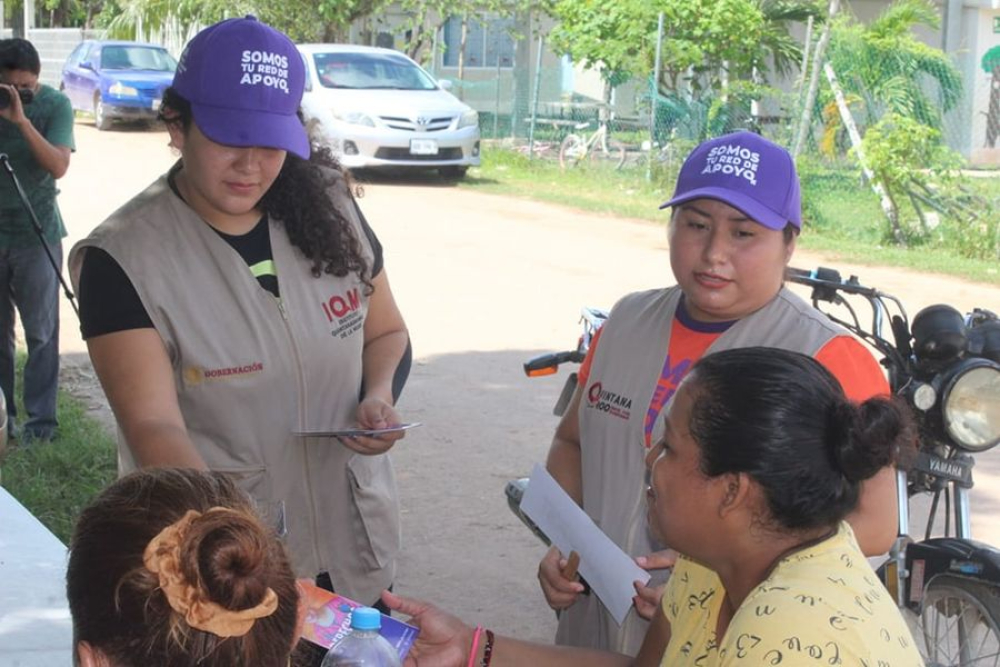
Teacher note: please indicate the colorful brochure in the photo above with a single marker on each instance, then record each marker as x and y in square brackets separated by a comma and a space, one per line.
[328, 620]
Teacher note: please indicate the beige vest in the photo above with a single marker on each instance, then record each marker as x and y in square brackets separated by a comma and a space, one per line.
[250, 371]
[623, 376]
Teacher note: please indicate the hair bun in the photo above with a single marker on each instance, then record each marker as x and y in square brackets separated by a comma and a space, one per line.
[231, 552]
[862, 438]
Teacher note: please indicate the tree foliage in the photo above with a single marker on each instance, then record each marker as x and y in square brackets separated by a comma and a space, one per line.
[890, 70]
[427, 17]
[55, 13]
[705, 41]
[922, 178]
[780, 51]
[307, 20]
[302, 20]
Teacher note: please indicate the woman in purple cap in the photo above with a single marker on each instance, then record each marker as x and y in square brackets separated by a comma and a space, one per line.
[736, 216]
[240, 303]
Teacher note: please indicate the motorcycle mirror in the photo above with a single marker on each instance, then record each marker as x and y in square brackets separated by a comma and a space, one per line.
[939, 333]
[901, 333]
[984, 341]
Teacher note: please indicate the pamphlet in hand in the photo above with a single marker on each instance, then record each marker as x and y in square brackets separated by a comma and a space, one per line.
[328, 620]
[355, 432]
[609, 570]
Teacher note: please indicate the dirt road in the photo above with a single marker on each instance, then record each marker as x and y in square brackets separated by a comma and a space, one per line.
[484, 282]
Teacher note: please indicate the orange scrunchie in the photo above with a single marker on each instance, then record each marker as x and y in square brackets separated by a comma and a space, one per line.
[162, 557]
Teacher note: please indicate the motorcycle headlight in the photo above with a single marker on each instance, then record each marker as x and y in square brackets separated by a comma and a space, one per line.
[355, 118]
[970, 405]
[118, 89]
[469, 119]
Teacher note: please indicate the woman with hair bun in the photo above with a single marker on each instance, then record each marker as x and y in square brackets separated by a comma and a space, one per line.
[172, 568]
[761, 461]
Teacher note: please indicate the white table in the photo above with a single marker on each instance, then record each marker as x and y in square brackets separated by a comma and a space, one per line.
[35, 627]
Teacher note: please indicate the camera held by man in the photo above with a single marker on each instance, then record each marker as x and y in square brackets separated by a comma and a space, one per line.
[25, 94]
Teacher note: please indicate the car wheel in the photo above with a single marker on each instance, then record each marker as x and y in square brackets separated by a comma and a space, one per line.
[455, 173]
[101, 120]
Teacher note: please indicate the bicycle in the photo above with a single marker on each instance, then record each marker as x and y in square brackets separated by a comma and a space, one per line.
[651, 154]
[598, 146]
[541, 149]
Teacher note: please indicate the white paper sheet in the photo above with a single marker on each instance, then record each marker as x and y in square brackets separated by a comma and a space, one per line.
[609, 570]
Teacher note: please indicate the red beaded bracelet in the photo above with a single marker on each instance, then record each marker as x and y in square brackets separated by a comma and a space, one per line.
[488, 650]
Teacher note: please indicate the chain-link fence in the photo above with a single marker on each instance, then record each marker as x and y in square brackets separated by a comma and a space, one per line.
[964, 106]
[882, 135]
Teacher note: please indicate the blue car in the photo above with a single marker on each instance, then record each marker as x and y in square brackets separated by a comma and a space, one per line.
[116, 80]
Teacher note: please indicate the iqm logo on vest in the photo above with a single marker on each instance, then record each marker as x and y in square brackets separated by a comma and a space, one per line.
[340, 305]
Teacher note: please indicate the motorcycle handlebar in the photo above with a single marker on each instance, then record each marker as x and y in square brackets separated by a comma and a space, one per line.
[547, 364]
[827, 282]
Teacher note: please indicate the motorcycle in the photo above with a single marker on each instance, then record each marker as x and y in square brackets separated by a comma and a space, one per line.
[548, 364]
[946, 367]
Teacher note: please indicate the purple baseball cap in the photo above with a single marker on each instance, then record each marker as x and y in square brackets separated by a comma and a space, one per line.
[746, 171]
[244, 80]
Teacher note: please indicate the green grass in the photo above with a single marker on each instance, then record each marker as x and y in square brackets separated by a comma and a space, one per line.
[55, 480]
[597, 188]
[843, 218]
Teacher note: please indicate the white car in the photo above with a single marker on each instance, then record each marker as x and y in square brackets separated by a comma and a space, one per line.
[376, 107]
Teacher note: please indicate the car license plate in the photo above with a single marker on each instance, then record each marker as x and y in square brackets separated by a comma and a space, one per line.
[155, 104]
[423, 147]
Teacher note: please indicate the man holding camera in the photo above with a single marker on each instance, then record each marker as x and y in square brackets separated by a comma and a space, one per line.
[36, 135]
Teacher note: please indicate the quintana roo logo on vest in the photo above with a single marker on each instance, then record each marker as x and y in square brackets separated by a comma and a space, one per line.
[344, 312]
[609, 402]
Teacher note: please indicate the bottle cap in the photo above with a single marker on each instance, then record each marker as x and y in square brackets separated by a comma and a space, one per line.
[366, 618]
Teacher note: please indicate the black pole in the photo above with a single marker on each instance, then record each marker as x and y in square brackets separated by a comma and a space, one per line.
[38, 230]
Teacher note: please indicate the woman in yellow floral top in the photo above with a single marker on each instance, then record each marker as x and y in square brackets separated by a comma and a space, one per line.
[761, 460]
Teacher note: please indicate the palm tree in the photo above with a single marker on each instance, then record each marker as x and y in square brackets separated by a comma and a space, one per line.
[302, 20]
[151, 19]
[777, 46]
[890, 70]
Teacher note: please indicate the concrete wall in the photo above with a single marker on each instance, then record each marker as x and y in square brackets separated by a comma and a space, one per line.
[564, 89]
[981, 38]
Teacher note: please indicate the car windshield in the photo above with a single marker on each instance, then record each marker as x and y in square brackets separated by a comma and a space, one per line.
[370, 71]
[138, 58]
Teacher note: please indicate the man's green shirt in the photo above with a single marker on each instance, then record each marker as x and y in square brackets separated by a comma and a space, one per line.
[51, 114]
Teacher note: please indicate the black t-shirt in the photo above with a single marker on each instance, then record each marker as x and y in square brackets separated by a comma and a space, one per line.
[110, 303]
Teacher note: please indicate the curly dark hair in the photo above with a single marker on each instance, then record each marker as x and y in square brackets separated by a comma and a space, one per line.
[323, 234]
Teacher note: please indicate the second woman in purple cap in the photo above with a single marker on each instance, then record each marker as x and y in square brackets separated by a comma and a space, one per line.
[736, 216]
[240, 302]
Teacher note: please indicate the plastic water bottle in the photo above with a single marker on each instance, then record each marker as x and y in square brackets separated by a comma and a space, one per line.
[363, 646]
